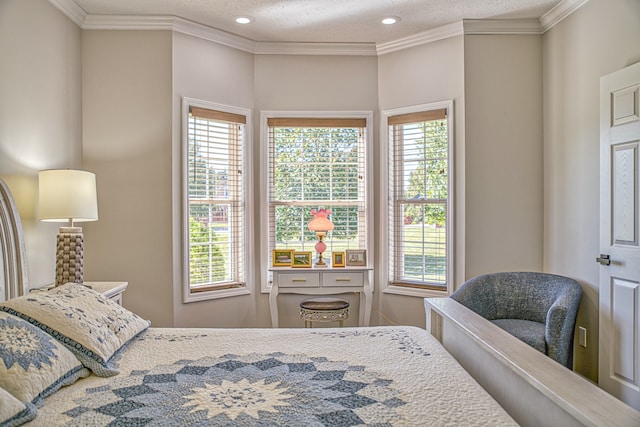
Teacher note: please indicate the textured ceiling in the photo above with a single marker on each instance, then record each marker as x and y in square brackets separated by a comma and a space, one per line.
[331, 21]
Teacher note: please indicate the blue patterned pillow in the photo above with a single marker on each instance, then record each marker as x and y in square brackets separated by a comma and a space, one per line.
[89, 324]
[13, 412]
[33, 364]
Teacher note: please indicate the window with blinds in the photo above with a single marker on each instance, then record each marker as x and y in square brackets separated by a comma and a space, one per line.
[215, 199]
[419, 187]
[317, 163]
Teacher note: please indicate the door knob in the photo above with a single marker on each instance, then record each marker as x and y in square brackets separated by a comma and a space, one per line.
[603, 259]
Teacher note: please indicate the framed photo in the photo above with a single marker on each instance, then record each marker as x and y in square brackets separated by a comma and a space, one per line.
[356, 257]
[282, 257]
[301, 260]
[337, 259]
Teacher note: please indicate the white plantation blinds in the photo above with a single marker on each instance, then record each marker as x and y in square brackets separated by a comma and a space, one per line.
[317, 163]
[419, 191]
[215, 199]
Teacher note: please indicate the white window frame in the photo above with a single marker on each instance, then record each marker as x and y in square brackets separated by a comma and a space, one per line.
[385, 201]
[265, 255]
[189, 296]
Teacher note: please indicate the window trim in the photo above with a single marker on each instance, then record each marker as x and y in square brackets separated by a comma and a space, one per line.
[385, 201]
[265, 255]
[222, 292]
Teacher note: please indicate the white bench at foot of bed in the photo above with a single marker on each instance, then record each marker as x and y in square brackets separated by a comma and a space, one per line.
[534, 389]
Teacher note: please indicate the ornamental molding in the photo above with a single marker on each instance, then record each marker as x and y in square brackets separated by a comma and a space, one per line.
[183, 26]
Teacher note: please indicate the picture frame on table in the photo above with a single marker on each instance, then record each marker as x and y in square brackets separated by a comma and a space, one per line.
[337, 259]
[356, 257]
[282, 257]
[301, 260]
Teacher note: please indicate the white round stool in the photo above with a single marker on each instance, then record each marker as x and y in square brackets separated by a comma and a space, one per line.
[324, 309]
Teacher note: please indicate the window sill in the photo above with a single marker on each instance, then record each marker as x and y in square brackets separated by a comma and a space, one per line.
[414, 292]
[215, 294]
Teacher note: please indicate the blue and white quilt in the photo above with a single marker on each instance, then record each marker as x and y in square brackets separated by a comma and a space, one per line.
[382, 376]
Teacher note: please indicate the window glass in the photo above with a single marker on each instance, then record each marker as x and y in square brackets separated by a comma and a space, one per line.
[215, 199]
[419, 188]
[316, 165]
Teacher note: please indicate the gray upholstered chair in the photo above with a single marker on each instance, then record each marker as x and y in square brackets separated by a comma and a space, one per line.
[538, 308]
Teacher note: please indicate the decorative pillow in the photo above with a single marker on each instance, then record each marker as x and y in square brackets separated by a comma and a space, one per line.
[93, 327]
[13, 412]
[33, 364]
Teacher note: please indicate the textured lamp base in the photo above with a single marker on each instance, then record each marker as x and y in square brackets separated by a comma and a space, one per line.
[69, 256]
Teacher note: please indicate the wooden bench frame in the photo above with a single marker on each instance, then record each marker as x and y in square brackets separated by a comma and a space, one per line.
[534, 389]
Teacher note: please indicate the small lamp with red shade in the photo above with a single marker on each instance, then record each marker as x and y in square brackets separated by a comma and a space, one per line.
[320, 224]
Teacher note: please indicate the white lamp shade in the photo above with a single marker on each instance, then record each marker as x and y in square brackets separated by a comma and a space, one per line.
[67, 195]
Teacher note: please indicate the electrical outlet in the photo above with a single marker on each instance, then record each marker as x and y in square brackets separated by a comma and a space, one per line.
[582, 336]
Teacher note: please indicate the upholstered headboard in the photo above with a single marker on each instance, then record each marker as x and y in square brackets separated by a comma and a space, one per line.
[13, 274]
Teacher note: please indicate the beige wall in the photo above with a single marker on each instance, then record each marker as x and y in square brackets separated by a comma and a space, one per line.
[214, 73]
[503, 150]
[599, 38]
[127, 128]
[40, 114]
[312, 83]
[420, 75]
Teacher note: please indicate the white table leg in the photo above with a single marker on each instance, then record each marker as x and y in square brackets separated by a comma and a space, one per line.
[273, 305]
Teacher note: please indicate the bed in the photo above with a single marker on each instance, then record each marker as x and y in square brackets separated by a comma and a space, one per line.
[69, 356]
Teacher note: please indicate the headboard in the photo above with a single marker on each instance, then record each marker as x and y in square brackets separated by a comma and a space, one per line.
[13, 274]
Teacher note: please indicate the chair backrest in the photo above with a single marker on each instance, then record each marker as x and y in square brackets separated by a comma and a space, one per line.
[516, 295]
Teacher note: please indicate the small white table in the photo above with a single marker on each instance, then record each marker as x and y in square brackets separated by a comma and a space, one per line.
[322, 281]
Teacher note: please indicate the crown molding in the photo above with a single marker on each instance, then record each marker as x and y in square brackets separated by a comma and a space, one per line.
[440, 33]
[559, 12]
[501, 26]
[127, 22]
[71, 10]
[213, 35]
[180, 25]
[304, 48]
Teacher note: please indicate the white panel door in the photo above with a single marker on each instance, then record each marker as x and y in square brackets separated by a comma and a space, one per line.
[619, 323]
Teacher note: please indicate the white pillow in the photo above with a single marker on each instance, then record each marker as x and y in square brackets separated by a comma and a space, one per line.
[33, 364]
[13, 412]
[89, 324]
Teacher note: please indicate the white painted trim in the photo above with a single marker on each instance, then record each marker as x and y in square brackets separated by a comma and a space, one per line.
[559, 12]
[440, 33]
[385, 202]
[249, 272]
[211, 34]
[354, 49]
[172, 23]
[265, 255]
[71, 10]
[127, 22]
[501, 26]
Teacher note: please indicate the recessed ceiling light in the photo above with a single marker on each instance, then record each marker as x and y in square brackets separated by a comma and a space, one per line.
[390, 20]
[244, 19]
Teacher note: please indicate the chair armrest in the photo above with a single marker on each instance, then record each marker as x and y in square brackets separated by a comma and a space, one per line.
[560, 325]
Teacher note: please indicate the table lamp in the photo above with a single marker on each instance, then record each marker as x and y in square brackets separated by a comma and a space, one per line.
[69, 196]
[320, 224]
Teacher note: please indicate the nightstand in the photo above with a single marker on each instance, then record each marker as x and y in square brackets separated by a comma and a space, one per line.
[111, 290]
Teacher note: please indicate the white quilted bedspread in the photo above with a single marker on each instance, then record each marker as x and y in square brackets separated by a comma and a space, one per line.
[248, 377]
